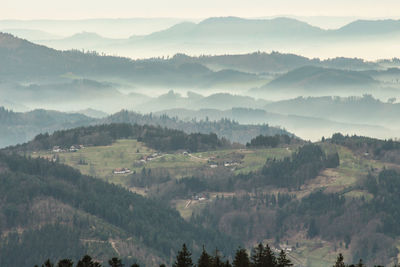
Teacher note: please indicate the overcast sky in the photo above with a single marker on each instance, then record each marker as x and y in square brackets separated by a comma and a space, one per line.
[78, 9]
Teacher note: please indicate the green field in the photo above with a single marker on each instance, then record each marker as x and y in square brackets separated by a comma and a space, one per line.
[100, 161]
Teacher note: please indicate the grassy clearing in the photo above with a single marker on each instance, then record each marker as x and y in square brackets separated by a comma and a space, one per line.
[352, 169]
[186, 207]
[359, 194]
[315, 252]
[310, 252]
[100, 161]
[255, 159]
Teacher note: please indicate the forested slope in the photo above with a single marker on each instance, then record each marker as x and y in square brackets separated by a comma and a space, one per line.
[44, 202]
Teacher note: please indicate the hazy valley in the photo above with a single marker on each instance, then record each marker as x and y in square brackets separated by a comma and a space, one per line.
[130, 137]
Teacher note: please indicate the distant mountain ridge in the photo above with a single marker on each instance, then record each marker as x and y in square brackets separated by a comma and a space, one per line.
[365, 109]
[222, 27]
[239, 35]
[370, 27]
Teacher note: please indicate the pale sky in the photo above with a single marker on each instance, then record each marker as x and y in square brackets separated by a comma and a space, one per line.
[79, 9]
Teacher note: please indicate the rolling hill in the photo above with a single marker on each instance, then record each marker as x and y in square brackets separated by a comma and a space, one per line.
[369, 28]
[274, 62]
[317, 77]
[20, 127]
[365, 109]
[305, 125]
[22, 58]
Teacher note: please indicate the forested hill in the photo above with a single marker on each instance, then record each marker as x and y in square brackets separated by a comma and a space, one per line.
[274, 62]
[383, 150]
[21, 127]
[43, 61]
[21, 59]
[44, 203]
[156, 137]
[316, 77]
[224, 128]
[18, 127]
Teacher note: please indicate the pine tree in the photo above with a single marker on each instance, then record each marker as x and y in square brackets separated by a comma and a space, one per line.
[270, 259]
[241, 258]
[87, 261]
[115, 262]
[258, 256]
[183, 259]
[48, 263]
[283, 261]
[216, 260]
[65, 263]
[205, 259]
[339, 261]
[360, 263]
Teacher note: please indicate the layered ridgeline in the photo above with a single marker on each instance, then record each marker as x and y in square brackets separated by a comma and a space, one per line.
[72, 78]
[20, 127]
[179, 70]
[54, 62]
[311, 117]
[363, 110]
[50, 210]
[21, 59]
[308, 117]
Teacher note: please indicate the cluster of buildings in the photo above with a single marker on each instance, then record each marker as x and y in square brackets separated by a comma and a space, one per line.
[200, 197]
[145, 159]
[284, 247]
[122, 171]
[213, 163]
[74, 148]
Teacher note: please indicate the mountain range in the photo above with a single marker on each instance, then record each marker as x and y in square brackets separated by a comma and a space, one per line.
[238, 35]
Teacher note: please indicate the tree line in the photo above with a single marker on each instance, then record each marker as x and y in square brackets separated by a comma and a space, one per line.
[269, 141]
[261, 256]
[156, 137]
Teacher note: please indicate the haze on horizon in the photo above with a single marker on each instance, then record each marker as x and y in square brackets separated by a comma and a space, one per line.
[75, 9]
